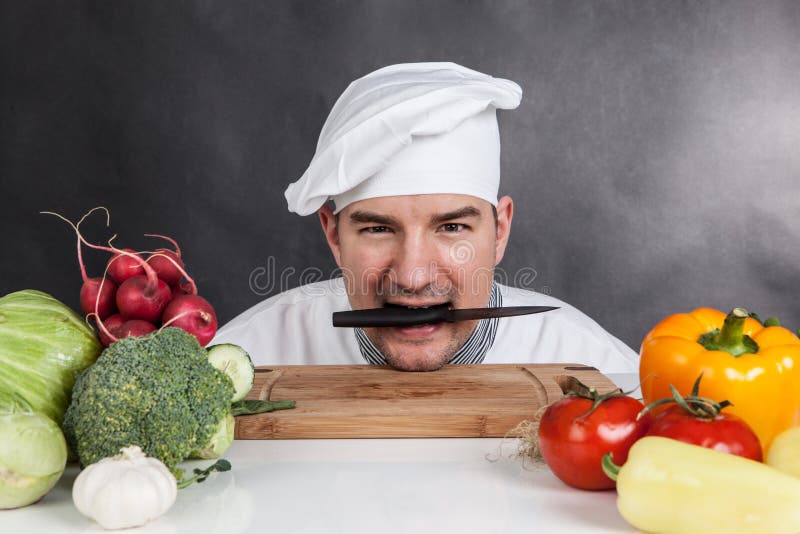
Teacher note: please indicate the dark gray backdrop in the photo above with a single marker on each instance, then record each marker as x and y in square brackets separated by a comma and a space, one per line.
[654, 160]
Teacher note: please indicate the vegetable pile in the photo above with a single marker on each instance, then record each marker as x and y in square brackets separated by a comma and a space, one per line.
[149, 403]
[158, 392]
[731, 465]
[130, 413]
[575, 433]
[755, 366]
[162, 393]
[142, 291]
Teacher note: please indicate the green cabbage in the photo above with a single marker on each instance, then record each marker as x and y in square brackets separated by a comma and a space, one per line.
[43, 345]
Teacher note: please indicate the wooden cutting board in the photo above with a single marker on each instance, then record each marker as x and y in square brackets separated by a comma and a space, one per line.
[365, 401]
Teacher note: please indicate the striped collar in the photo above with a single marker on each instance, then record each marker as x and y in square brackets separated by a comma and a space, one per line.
[472, 352]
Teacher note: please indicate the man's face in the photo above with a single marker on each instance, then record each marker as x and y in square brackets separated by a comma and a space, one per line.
[419, 251]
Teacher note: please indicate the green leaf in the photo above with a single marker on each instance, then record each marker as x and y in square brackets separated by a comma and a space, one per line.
[200, 475]
[250, 407]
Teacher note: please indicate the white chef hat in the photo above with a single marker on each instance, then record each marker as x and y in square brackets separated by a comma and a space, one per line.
[408, 129]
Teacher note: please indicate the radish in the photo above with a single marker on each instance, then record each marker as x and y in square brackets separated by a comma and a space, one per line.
[134, 327]
[142, 296]
[166, 263]
[167, 257]
[180, 289]
[96, 294]
[194, 314]
[123, 266]
[108, 334]
[150, 292]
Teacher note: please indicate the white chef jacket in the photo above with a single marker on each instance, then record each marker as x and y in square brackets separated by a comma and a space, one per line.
[295, 328]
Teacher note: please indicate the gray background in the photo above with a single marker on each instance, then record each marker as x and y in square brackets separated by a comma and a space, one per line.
[654, 160]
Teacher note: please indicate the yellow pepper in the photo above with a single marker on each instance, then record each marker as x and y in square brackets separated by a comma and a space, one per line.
[755, 367]
[669, 486]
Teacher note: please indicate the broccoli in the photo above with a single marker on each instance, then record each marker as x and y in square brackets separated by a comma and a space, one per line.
[157, 391]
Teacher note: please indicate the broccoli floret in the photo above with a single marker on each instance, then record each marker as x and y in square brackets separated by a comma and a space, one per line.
[156, 391]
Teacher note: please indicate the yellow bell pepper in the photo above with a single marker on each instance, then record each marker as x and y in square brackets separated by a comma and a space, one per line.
[669, 486]
[755, 367]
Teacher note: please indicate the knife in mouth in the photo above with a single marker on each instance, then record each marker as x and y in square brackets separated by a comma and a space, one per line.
[399, 316]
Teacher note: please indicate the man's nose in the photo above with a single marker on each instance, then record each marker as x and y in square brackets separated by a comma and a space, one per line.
[415, 265]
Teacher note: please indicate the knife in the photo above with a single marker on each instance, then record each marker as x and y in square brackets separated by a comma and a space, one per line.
[382, 317]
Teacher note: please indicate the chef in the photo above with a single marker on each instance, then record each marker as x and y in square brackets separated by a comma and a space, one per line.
[405, 183]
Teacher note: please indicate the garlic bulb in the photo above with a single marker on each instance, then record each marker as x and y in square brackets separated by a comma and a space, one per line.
[126, 490]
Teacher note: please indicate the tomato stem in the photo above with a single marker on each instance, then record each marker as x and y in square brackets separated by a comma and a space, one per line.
[572, 386]
[731, 338]
[700, 407]
[609, 467]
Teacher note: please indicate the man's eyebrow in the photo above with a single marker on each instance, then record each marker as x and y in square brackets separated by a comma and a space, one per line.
[370, 217]
[466, 211]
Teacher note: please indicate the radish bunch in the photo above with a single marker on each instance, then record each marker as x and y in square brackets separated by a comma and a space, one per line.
[142, 291]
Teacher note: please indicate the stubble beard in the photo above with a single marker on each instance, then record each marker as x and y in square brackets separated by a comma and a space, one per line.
[431, 362]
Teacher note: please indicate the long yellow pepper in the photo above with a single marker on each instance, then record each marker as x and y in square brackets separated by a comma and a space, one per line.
[671, 487]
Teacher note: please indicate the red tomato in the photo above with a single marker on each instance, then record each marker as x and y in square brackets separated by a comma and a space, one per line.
[724, 432]
[573, 443]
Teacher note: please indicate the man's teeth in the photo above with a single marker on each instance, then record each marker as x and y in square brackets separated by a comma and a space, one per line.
[436, 305]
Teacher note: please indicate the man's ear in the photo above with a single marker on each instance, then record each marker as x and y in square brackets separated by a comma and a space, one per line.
[505, 212]
[328, 221]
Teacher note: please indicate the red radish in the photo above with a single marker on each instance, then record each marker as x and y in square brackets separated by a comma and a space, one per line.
[172, 267]
[166, 263]
[97, 297]
[143, 297]
[96, 294]
[194, 314]
[180, 289]
[134, 327]
[123, 266]
[108, 333]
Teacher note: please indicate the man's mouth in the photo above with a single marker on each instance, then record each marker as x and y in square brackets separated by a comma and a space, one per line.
[422, 330]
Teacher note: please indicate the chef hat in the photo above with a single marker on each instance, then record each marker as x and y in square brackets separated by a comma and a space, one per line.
[408, 129]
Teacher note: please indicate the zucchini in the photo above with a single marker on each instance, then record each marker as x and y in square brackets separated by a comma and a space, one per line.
[234, 361]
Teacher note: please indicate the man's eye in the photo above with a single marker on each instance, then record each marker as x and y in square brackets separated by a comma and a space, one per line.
[453, 227]
[375, 229]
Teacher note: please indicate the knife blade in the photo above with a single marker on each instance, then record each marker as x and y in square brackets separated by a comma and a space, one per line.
[397, 316]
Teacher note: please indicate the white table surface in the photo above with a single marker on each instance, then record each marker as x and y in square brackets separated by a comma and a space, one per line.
[459, 485]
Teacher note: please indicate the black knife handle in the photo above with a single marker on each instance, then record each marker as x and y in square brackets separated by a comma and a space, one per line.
[390, 317]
